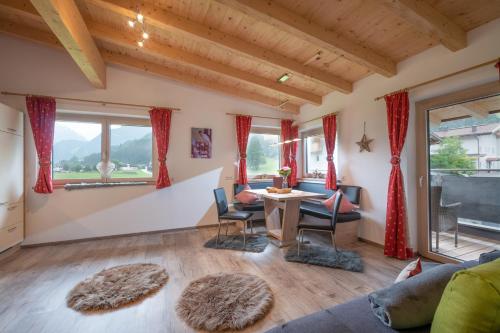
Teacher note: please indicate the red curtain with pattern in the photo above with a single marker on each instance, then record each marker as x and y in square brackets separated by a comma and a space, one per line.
[330, 131]
[160, 121]
[286, 134]
[243, 124]
[396, 232]
[42, 115]
[292, 179]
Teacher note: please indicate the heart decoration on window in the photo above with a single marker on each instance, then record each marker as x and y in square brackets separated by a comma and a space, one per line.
[105, 168]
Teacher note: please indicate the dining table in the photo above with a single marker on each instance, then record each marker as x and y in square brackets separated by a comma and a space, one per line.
[283, 227]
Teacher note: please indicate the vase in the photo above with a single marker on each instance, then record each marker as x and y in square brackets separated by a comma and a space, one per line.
[285, 182]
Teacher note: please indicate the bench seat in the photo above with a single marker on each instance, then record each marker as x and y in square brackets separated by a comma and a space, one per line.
[320, 211]
[255, 207]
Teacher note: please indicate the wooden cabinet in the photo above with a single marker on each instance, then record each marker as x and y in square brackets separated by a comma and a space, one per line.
[11, 177]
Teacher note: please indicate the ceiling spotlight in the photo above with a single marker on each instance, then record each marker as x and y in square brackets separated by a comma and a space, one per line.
[131, 23]
[283, 78]
[140, 43]
[140, 17]
[145, 35]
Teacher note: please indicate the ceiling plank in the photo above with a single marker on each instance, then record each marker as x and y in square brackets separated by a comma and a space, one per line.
[427, 19]
[123, 38]
[65, 20]
[284, 19]
[109, 57]
[168, 21]
[469, 109]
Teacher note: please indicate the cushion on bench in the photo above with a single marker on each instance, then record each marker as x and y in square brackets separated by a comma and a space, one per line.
[320, 211]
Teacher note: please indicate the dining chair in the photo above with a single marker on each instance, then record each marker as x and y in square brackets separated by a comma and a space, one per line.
[320, 225]
[224, 215]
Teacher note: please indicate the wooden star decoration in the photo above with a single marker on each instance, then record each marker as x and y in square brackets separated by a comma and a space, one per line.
[364, 144]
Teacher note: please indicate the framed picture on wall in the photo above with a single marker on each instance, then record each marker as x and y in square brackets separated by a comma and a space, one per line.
[201, 142]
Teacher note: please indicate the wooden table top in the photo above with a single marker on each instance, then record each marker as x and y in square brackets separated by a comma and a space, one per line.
[294, 195]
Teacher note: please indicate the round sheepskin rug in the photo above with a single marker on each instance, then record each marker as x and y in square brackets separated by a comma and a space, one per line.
[224, 301]
[116, 287]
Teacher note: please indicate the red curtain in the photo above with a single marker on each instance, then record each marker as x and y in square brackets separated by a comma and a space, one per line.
[243, 124]
[396, 224]
[292, 179]
[286, 134]
[330, 131]
[160, 121]
[42, 115]
[497, 65]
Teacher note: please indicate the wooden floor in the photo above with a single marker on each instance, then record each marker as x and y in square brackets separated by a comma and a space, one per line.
[34, 282]
[468, 248]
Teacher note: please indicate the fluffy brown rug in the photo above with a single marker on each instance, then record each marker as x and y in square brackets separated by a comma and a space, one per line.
[224, 301]
[116, 286]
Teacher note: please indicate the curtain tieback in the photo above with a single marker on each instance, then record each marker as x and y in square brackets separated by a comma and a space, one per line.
[395, 160]
[243, 156]
[164, 161]
[44, 163]
[329, 158]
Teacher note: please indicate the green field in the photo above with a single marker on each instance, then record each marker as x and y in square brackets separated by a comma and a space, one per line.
[96, 175]
[270, 167]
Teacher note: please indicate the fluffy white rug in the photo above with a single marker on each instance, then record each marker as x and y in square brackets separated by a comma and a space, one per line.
[224, 301]
[116, 286]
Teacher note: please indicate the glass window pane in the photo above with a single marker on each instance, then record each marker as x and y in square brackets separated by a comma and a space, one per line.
[316, 154]
[76, 150]
[131, 151]
[263, 154]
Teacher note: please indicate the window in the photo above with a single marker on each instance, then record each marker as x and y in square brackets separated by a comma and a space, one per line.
[82, 145]
[263, 154]
[314, 148]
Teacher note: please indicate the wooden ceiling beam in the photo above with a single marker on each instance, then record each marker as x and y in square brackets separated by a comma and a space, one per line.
[165, 20]
[428, 20]
[271, 13]
[65, 20]
[123, 38]
[47, 38]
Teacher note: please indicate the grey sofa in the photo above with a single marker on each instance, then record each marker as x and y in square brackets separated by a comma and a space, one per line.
[355, 316]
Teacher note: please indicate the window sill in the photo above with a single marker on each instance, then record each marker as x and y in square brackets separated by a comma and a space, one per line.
[312, 180]
[83, 186]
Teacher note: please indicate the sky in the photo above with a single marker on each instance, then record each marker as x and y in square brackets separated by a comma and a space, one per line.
[87, 130]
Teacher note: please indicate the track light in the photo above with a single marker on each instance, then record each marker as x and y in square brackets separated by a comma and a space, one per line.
[140, 43]
[131, 23]
[140, 17]
[145, 35]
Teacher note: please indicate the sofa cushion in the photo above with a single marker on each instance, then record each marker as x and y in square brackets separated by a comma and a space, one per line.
[345, 205]
[471, 301]
[246, 197]
[351, 317]
[412, 302]
[320, 211]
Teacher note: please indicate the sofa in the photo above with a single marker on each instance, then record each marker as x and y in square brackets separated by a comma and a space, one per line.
[351, 317]
[307, 207]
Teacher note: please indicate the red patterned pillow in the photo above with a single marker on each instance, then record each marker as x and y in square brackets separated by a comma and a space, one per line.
[345, 205]
[412, 269]
[246, 197]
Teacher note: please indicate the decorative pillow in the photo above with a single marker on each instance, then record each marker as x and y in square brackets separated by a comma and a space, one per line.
[471, 301]
[412, 302]
[412, 269]
[246, 197]
[489, 256]
[345, 205]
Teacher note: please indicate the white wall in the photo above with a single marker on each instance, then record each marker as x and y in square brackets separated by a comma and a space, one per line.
[371, 170]
[32, 68]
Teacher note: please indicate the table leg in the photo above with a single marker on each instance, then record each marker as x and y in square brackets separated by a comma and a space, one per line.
[284, 232]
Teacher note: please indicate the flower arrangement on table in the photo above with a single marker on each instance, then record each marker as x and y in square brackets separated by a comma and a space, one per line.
[285, 171]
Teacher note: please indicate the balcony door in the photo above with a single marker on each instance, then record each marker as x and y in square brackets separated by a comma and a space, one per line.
[458, 157]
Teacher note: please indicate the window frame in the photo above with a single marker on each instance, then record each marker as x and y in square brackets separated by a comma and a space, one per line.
[271, 131]
[106, 122]
[304, 135]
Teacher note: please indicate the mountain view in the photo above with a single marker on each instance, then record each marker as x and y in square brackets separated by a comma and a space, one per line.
[75, 157]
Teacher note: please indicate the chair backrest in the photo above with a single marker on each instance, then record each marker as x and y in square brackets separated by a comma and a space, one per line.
[335, 211]
[221, 201]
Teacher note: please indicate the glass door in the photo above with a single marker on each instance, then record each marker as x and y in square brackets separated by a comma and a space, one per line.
[463, 178]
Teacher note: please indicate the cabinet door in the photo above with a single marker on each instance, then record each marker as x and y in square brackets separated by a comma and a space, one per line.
[11, 236]
[11, 168]
[11, 120]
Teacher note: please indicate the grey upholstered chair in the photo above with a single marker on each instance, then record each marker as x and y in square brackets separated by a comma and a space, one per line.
[320, 225]
[224, 215]
[443, 216]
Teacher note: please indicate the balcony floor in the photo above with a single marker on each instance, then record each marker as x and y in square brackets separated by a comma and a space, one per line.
[469, 246]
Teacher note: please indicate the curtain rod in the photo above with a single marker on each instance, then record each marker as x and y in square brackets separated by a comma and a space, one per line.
[263, 117]
[441, 77]
[321, 117]
[90, 101]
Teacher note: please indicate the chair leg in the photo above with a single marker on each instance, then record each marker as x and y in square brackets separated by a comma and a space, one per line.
[227, 227]
[333, 241]
[299, 241]
[244, 234]
[251, 227]
[218, 234]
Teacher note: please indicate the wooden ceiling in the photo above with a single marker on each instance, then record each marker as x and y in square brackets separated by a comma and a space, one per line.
[241, 47]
